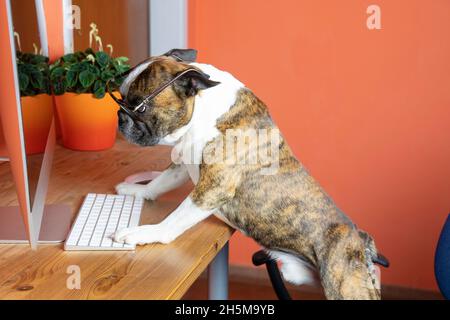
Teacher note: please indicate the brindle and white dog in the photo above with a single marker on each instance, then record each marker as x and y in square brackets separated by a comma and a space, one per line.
[286, 212]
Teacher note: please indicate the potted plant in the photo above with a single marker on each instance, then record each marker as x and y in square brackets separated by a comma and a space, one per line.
[36, 102]
[88, 117]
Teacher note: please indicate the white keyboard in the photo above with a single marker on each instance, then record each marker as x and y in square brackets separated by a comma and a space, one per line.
[100, 216]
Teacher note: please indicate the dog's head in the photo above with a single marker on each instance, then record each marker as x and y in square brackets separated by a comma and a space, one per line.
[147, 121]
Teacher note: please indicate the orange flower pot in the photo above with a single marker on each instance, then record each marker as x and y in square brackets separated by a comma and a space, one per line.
[87, 123]
[37, 113]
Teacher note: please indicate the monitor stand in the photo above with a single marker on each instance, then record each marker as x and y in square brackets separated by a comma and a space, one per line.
[56, 223]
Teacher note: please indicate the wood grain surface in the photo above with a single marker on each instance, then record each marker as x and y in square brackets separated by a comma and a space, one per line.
[151, 272]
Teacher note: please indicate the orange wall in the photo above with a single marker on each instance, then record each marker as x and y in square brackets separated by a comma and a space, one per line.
[368, 112]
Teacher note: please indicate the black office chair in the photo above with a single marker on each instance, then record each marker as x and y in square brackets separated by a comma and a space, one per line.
[261, 257]
[442, 261]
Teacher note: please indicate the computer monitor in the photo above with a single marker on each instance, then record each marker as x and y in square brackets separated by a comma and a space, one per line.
[25, 218]
[48, 24]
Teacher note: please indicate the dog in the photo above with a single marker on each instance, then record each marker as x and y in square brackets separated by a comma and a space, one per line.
[278, 204]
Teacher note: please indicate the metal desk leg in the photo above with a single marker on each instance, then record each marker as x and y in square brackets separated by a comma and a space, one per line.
[218, 276]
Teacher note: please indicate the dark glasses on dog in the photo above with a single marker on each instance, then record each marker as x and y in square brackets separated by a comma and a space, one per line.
[133, 111]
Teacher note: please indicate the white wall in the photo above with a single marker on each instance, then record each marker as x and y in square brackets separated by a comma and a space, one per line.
[168, 25]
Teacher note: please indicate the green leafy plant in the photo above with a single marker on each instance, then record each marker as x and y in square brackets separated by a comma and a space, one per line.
[33, 72]
[87, 72]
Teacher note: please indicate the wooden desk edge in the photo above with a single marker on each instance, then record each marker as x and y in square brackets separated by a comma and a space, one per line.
[178, 292]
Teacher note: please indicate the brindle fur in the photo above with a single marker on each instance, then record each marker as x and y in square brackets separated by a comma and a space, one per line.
[287, 211]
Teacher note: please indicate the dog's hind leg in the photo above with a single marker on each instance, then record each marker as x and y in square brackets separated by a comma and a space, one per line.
[346, 268]
[171, 178]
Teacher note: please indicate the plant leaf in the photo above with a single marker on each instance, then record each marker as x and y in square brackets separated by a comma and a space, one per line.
[81, 90]
[38, 59]
[102, 58]
[93, 69]
[99, 89]
[70, 58]
[23, 81]
[75, 67]
[107, 75]
[37, 79]
[71, 78]
[87, 78]
[100, 93]
[59, 87]
[122, 60]
[121, 68]
[56, 73]
[84, 65]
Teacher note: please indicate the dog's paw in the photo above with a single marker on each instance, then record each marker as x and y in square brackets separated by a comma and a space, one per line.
[139, 235]
[136, 190]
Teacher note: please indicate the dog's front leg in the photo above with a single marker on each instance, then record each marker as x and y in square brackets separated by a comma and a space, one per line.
[213, 189]
[171, 178]
[181, 219]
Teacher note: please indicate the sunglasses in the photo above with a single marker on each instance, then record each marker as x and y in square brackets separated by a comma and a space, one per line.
[134, 111]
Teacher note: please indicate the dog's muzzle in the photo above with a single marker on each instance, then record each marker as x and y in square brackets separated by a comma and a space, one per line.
[136, 130]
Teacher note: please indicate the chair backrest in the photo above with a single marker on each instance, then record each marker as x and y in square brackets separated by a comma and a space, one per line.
[442, 260]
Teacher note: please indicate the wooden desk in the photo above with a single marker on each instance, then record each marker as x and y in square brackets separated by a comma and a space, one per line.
[151, 272]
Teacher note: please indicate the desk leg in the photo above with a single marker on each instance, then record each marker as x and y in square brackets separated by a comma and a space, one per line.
[218, 276]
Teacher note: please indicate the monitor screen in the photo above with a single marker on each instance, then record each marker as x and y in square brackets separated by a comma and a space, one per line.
[36, 102]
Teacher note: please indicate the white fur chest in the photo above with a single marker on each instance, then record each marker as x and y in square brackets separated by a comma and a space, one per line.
[209, 106]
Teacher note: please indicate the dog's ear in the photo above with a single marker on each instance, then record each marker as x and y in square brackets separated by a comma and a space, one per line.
[188, 55]
[192, 82]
